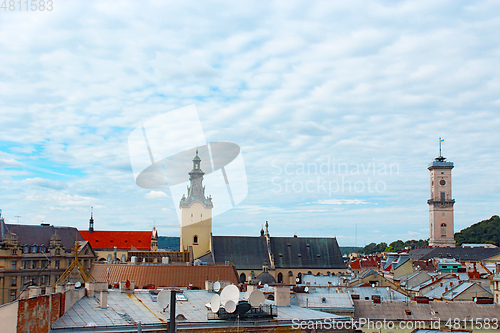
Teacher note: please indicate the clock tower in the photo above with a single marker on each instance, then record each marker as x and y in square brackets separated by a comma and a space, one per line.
[196, 214]
[441, 203]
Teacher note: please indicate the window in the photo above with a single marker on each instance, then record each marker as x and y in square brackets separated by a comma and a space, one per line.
[443, 229]
[35, 264]
[58, 252]
[43, 279]
[14, 281]
[280, 277]
[195, 239]
[243, 278]
[13, 265]
[56, 264]
[26, 249]
[26, 264]
[12, 296]
[34, 248]
[13, 252]
[443, 196]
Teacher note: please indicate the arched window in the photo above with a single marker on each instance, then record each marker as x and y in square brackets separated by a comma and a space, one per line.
[443, 229]
[280, 277]
[195, 239]
[243, 278]
[299, 278]
[290, 273]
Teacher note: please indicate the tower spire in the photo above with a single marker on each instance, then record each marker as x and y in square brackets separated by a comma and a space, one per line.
[91, 221]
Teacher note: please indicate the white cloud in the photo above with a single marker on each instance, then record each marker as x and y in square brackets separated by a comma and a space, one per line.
[342, 202]
[155, 195]
[352, 81]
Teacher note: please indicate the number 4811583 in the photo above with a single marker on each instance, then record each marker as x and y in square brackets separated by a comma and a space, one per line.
[27, 5]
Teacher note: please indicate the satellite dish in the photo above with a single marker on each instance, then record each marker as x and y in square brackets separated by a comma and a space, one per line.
[306, 289]
[266, 285]
[245, 296]
[163, 299]
[78, 284]
[215, 303]
[216, 286]
[230, 293]
[256, 298]
[242, 308]
[230, 306]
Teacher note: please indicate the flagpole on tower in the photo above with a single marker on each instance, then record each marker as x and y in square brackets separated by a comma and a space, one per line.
[440, 147]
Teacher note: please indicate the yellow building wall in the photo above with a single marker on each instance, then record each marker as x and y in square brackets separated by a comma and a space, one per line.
[196, 220]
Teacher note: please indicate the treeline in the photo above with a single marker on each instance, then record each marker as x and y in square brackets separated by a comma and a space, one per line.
[392, 247]
[484, 232]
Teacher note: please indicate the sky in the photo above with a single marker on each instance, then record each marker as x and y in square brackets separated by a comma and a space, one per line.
[337, 109]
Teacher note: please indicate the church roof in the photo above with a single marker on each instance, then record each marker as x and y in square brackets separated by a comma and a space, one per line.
[289, 252]
[41, 234]
[244, 252]
[306, 252]
[140, 240]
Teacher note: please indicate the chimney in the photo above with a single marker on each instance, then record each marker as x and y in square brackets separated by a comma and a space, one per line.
[103, 299]
[282, 296]
[376, 299]
[441, 284]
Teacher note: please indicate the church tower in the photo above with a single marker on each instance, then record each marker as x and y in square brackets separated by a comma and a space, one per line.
[196, 214]
[441, 203]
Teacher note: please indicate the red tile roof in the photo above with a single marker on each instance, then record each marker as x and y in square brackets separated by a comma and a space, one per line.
[141, 240]
[164, 275]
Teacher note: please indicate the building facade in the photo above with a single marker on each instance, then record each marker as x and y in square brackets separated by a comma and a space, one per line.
[441, 204]
[32, 255]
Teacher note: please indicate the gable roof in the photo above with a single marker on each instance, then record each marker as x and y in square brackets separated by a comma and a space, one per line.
[140, 240]
[40, 234]
[458, 253]
[163, 275]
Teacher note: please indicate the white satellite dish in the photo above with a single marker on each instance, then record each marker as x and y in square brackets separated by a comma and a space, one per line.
[256, 298]
[230, 293]
[245, 296]
[306, 289]
[216, 286]
[163, 299]
[266, 285]
[230, 306]
[78, 284]
[215, 303]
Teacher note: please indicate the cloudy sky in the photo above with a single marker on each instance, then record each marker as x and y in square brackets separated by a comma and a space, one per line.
[336, 106]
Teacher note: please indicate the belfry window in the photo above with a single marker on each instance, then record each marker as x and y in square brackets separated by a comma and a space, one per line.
[443, 229]
[195, 239]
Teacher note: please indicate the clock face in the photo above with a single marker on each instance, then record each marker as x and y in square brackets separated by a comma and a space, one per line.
[442, 182]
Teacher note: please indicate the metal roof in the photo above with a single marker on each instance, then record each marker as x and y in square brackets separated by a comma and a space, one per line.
[432, 311]
[321, 300]
[127, 310]
[459, 253]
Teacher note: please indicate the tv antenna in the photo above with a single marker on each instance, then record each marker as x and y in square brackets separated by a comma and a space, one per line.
[18, 216]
